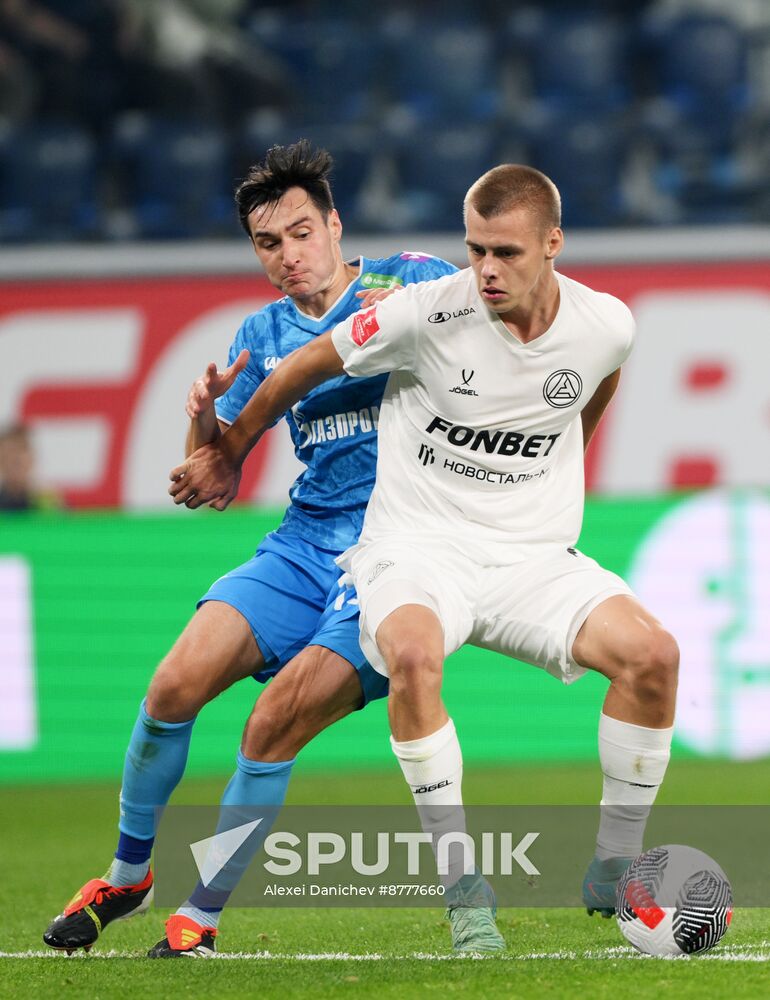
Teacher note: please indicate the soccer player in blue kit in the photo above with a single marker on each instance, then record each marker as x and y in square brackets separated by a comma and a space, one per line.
[271, 610]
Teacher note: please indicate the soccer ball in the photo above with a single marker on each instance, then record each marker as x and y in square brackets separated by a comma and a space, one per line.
[674, 900]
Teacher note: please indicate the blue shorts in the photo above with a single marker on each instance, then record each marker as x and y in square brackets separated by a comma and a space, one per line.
[283, 592]
[339, 630]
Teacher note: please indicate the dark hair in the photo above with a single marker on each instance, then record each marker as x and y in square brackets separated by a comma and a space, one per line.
[299, 165]
[511, 184]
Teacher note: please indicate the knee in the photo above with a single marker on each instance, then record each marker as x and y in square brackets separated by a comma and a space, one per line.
[271, 719]
[652, 666]
[413, 666]
[259, 737]
[169, 697]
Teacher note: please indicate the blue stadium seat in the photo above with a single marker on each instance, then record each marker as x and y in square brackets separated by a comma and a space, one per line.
[176, 177]
[696, 163]
[48, 183]
[705, 116]
[585, 158]
[257, 133]
[334, 66]
[702, 60]
[444, 75]
[436, 167]
[347, 71]
[578, 61]
[288, 35]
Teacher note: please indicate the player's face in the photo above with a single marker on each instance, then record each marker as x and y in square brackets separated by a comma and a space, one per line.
[511, 255]
[297, 247]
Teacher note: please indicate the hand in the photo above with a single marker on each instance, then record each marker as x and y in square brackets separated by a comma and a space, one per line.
[212, 385]
[375, 295]
[209, 476]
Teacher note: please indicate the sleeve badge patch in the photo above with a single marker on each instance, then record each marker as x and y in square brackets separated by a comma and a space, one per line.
[365, 325]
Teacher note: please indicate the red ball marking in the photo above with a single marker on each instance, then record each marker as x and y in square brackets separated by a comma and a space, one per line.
[643, 905]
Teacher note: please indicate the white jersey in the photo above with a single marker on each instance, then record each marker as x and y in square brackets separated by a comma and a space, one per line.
[480, 439]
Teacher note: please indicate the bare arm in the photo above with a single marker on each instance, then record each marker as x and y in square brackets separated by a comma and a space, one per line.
[597, 404]
[204, 427]
[211, 475]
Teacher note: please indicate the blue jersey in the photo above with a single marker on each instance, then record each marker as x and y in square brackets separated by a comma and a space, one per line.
[334, 427]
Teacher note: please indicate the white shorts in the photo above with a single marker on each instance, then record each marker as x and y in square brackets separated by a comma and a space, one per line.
[530, 610]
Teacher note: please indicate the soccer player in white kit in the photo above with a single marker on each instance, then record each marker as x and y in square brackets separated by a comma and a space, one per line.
[500, 374]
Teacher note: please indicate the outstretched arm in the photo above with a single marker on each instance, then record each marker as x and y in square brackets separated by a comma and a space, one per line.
[592, 412]
[212, 473]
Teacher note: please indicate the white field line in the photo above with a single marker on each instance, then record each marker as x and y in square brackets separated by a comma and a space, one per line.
[737, 953]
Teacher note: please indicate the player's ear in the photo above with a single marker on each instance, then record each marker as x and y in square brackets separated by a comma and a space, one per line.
[554, 243]
[335, 224]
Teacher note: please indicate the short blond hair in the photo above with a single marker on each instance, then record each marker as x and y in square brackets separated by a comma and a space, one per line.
[510, 185]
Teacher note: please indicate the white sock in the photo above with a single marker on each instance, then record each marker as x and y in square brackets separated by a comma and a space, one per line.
[206, 918]
[634, 760]
[123, 873]
[433, 768]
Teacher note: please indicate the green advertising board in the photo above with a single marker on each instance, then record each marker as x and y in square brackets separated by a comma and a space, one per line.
[91, 602]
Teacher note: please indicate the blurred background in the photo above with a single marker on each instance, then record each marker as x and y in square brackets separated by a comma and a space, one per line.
[645, 112]
[124, 126]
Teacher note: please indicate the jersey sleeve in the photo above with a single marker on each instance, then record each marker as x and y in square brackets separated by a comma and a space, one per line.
[627, 329]
[248, 381]
[380, 339]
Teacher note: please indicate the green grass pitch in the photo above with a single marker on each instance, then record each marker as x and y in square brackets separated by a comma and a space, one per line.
[56, 837]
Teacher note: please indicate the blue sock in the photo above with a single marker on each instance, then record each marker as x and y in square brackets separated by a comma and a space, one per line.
[155, 762]
[256, 791]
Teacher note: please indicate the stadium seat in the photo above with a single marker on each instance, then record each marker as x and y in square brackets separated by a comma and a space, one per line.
[176, 177]
[702, 60]
[288, 35]
[259, 131]
[346, 73]
[444, 75]
[585, 157]
[697, 163]
[700, 126]
[577, 61]
[334, 66]
[48, 183]
[437, 166]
